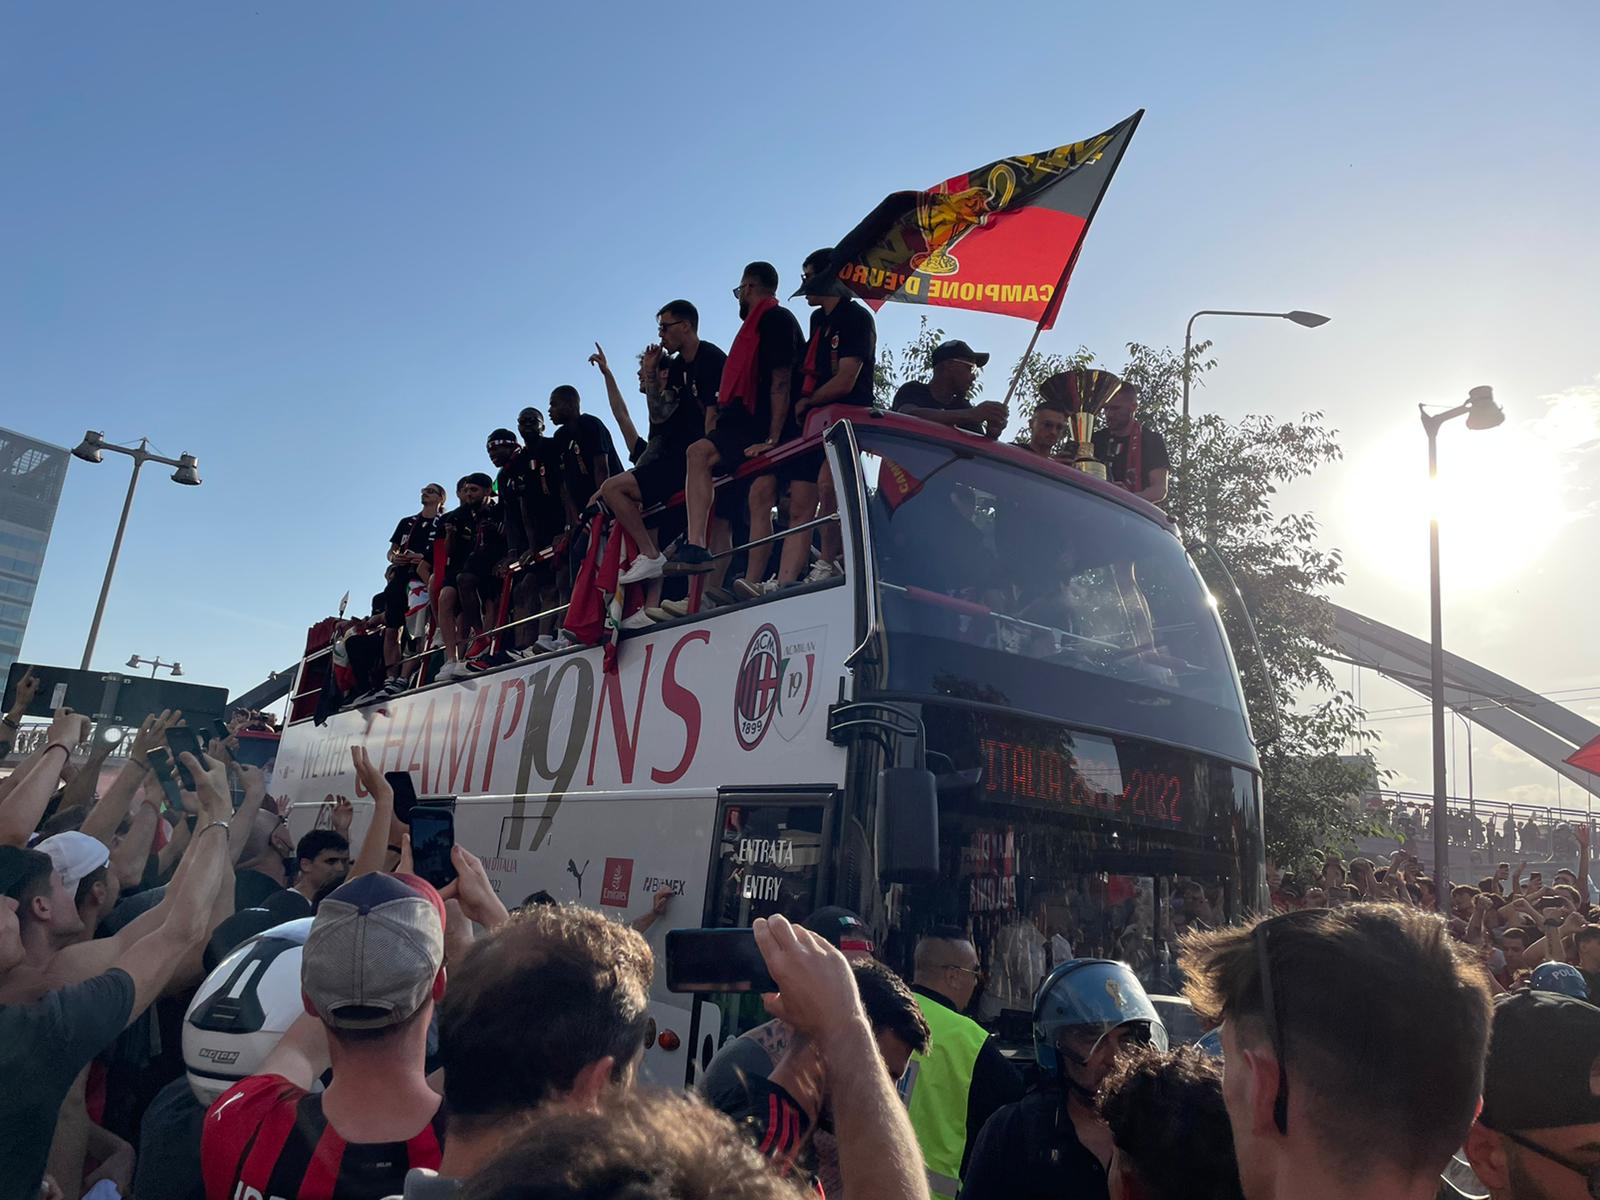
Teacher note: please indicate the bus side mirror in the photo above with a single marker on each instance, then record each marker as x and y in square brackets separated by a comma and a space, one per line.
[908, 825]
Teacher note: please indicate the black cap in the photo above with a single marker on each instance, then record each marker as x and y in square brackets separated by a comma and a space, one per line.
[1543, 1061]
[958, 350]
[841, 928]
[502, 437]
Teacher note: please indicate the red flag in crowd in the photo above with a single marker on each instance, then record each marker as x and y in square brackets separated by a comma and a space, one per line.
[1001, 238]
[1586, 757]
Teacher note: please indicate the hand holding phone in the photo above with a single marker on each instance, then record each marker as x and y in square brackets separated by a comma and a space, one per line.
[716, 960]
[405, 794]
[433, 836]
[182, 739]
[161, 765]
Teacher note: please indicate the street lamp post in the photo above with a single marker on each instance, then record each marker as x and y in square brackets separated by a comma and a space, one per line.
[91, 450]
[1308, 320]
[135, 662]
[1482, 413]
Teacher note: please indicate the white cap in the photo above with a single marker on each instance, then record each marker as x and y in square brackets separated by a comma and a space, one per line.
[75, 855]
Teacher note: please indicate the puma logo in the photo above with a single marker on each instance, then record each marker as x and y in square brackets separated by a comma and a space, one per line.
[572, 869]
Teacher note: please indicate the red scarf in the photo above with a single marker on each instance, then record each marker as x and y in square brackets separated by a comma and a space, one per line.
[1133, 465]
[739, 384]
[809, 370]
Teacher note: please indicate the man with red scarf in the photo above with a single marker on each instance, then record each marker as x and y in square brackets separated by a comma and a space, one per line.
[752, 403]
[1137, 455]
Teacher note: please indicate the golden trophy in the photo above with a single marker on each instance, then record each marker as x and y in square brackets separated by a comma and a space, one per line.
[1083, 393]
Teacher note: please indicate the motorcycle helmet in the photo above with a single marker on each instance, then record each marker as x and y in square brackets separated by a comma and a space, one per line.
[243, 1008]
[1089, 993]
[1559, 977]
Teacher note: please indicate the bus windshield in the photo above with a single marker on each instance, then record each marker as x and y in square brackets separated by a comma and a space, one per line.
[1007, 587]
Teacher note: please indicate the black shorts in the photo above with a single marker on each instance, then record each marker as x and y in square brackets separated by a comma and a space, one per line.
[736, 431]
[396, 595]
[660, 476]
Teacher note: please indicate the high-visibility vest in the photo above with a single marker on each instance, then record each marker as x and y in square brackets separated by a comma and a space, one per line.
[935, 1087]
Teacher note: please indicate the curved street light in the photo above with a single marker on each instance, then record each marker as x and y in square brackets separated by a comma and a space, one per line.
[1481, 412]
[1307, 320]
[92, 450]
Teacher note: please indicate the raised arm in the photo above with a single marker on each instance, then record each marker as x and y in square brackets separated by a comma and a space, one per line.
[78, 790]
[132, 851]
[107, 814]
[375, 842]
[153, 959]
[254, 782]
[878, 1153]
[619, 408]
[11, 722]
[24, 807]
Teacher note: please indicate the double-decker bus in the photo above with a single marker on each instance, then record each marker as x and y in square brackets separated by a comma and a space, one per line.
[1016, 712]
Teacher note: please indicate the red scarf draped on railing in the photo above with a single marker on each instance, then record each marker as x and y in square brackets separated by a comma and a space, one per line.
[739, 382]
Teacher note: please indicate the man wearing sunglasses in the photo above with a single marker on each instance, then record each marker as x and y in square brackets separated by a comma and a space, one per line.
[954, 1087]
[1053, 1142]
[1538, 1136]
[1333, 1086]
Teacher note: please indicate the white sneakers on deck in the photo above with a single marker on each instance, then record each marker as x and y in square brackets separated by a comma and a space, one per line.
[642, 568]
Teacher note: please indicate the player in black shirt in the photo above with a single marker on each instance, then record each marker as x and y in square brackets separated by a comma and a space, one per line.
[410, 557]
[752, 403]
[1137, 456]
[946, 398]
[547, 515]
[837, 369]
[517, 486]
[583, 450]
[678, 377]
[474, 547]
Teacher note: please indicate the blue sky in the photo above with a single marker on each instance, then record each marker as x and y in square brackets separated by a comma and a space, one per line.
[328, 247]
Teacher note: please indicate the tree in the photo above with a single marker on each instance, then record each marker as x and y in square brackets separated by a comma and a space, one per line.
[1225, 499]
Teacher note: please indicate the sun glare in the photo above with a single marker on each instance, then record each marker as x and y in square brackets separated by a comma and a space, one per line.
[1499, 497]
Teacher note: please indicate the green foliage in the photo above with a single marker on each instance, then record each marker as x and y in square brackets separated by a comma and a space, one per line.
[1316, 757]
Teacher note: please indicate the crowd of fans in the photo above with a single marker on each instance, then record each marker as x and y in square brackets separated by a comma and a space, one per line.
[433, 1043]
[1485, 832]
[504, 558]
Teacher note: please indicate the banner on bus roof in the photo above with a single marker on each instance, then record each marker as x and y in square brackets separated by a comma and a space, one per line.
[1001, 238]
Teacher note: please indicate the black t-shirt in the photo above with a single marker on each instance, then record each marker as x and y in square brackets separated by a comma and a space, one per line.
[917, 394]
[544, 505]
[518, 485]
[782, 345]
[413, 534]
[678, 415]
[582, 445]
[1113, 448]
[1024, 1152]
[847, 332]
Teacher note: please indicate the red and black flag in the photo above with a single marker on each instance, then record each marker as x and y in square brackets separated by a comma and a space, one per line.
[1001, 238]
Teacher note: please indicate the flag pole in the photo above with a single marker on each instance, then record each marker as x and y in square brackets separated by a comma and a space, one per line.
[1051, 309]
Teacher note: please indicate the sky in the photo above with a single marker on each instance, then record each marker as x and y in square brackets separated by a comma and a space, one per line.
[327, 248]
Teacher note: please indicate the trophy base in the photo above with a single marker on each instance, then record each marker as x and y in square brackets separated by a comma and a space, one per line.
[1093, 466]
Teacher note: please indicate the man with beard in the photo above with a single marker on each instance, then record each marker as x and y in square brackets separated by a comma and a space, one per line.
[474, 546]
[946, 398]
[754, 403]
[1137, 455]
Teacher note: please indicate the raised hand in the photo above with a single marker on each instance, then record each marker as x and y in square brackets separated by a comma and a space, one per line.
[371, 778]
[212, 794]
[472, 890]
[816, 990]
[68, 728]
[598, 359]
[27, 689]
[343, 813]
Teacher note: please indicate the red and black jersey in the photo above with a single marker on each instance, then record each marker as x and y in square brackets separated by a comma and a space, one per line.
[266, 1138]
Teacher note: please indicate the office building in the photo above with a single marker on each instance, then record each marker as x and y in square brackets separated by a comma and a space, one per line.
[31, 476]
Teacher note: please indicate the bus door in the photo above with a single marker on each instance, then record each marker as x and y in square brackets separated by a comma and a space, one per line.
[772, 854]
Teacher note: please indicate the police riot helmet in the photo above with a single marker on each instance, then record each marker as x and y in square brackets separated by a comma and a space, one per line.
[1093, 994]
[243, 1008]
[1563, 978]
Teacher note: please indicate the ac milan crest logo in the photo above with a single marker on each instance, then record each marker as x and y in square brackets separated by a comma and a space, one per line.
[756, 696]
[776, 684]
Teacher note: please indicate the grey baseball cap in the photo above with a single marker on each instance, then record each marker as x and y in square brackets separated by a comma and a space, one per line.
[373, 952]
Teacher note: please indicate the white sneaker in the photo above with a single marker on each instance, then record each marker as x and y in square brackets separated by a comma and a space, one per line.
[451, 670]
[820, 570]
[754, 591]
[642, 568]
[638, 620]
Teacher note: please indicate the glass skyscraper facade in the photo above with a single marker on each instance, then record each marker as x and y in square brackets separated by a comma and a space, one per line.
[31, 476]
